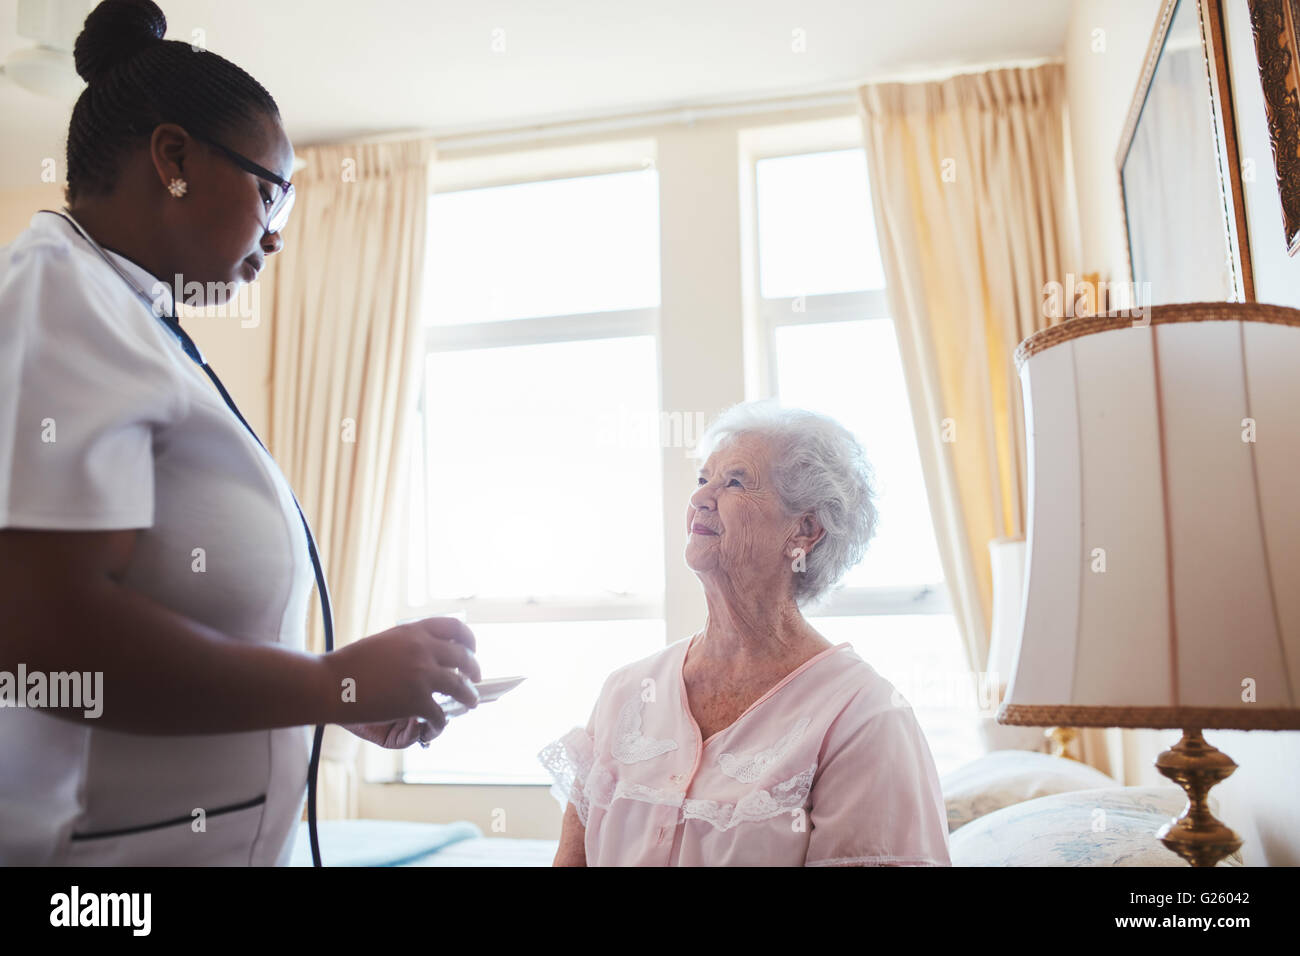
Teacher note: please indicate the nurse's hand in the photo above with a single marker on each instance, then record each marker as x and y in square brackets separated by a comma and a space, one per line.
[383, 683]
[398, 734]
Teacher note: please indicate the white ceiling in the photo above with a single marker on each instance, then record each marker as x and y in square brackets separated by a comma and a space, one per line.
[339, 68]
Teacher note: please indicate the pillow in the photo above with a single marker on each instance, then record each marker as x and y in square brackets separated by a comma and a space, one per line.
[1108, 827]
[1004, 777]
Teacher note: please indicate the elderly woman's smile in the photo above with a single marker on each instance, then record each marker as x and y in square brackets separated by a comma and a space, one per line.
[742, 534]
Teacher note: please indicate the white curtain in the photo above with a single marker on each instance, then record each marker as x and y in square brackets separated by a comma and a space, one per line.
[968, 182]
[347, 346]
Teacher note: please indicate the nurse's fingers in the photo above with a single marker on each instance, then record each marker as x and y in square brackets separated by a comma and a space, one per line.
[435, 717]
[457, 685]
[457, 656]
[447, 629]
[400, 734]
[424, 730]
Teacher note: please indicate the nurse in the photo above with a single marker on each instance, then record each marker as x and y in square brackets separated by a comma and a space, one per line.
[148, 542]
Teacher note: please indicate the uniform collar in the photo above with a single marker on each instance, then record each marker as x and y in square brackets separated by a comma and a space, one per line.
[158, 292]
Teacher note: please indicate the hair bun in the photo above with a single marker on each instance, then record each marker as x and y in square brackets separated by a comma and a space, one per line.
[115, 31]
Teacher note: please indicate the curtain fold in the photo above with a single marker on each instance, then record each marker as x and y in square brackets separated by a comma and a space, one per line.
[968, 182]
[346, 347]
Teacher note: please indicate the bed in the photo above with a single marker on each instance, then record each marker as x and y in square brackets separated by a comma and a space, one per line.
[404, 843]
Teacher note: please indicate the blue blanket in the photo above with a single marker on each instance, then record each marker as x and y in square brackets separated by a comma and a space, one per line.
[378, 842]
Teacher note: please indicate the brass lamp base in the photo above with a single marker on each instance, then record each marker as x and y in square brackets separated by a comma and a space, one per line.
[1197, 836]
[1061, 738]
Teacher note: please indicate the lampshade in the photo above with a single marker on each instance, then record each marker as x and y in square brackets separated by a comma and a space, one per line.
[1163, 553]
[1007, 557]
[1008, 562]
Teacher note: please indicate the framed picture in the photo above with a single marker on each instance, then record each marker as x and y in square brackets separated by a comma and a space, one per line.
[1179, 168]
[1273, 22]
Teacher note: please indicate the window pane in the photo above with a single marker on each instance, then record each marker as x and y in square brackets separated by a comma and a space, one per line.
[560, 247]
[416, 535]
[921, 655]
[816, 231]
[533, 490]
[852, 371]
[566, 664]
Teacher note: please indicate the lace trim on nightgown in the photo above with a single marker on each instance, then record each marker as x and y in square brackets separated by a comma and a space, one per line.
[748, 769]
[630, 745]
[755, 806]
[602, 790]
[580, 781]
[569, 761]
[639, 791]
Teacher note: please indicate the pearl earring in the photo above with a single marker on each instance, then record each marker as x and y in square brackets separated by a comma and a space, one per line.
[177, 187]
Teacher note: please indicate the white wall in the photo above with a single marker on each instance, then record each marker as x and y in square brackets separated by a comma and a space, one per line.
[1105, 43]
[1259, 799]
[17, 206]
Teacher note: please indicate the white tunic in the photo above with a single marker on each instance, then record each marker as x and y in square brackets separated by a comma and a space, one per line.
[142, 440]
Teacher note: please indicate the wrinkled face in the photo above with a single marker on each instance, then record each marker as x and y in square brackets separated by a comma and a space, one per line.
[220, 239]
[739, 530]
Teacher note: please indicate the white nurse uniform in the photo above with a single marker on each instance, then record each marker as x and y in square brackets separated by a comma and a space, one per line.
[141, 440]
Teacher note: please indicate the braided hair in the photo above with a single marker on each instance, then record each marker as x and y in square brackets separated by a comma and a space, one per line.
[137, 80]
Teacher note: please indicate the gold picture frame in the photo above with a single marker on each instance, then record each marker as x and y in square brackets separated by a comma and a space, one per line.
[1277, 51]
[1209, 19]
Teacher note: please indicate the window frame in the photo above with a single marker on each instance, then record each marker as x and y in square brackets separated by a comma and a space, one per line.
[537, 330]
[756, 319]
[543, 330]
[817, 309]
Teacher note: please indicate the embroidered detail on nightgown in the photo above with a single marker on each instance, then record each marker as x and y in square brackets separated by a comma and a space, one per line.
[748, 769]
[570, 760]
[639, 791]
[755, 806]
[630, 745]
[602, 791]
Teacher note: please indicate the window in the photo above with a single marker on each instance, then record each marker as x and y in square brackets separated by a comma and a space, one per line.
[537, 503]
[558, 247]
[531, 510]
[832, 348]
[546, 503]
[815, 228]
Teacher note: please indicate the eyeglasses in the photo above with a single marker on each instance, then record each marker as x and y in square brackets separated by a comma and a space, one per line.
[281, 199]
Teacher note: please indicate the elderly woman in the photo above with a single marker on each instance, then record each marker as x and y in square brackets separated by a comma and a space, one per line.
[757, 741]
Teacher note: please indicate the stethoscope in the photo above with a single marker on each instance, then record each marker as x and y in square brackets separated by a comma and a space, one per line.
[173, 324]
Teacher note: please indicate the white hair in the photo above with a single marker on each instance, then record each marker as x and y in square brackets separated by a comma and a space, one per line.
[817, 466]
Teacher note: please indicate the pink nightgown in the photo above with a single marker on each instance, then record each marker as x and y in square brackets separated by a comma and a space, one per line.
[828, 767]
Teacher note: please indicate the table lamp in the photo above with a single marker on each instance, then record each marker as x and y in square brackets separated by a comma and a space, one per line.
[1007, 560]
[1164, 536]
